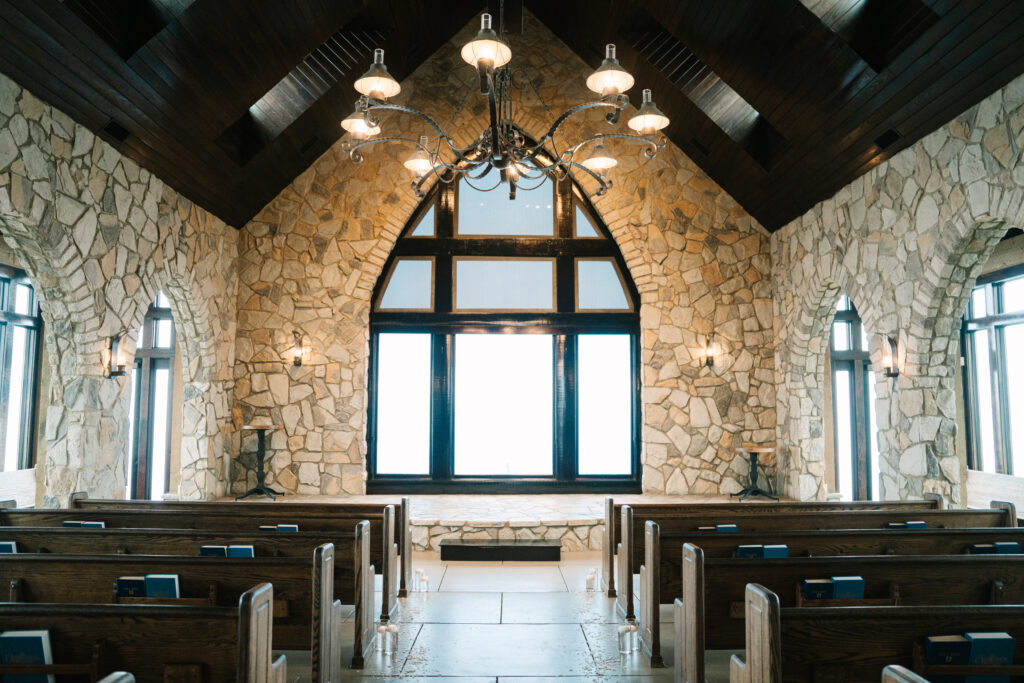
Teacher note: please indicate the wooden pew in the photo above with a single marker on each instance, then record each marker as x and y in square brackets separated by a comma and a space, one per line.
[894, 673]
[119, 677]
[303, 590]
[294, 511]
[853, 643]
[156, 642]
[710, 611]
[612, 530]
[340, 528]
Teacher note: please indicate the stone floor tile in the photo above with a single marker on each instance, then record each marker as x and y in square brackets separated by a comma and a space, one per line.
[558, 608]
[523, 578]
[603, 642]
[452, 608]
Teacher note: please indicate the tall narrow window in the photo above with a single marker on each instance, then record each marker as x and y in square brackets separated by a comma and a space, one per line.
[855, 431]
[20, 335]
[152, 392]
[504, 349]
[993, 333]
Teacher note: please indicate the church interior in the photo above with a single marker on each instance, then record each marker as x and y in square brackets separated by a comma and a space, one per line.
[516, 340]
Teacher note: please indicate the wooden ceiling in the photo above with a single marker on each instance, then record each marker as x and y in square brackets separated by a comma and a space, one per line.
[229, 100]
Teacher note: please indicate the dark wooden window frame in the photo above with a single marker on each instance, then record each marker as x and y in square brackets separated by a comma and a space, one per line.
[564, 324]
[148, 359]
[857, 361]
[9, 278]
[994, 323]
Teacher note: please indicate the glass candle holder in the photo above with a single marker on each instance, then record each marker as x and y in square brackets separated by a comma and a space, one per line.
[634, 638]
[391, 639]
[382, 637]
[416, 581]
[425, 583]
[624, 637]
[592, 580]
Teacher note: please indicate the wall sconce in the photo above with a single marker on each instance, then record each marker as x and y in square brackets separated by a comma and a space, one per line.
[709, 350]
[890, 357]
[116, 368]
[297, 351]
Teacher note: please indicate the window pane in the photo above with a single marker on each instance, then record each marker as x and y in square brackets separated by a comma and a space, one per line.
[18, 400]
[161, 300]
[410, 286]
[605, 404]
[841, 336]
[503, 404]
[844, 303]
[160, 434]
[584, 228]
[599, 286]
[403, 404]
[844, 433]
[873, 463]
[1015, 392]
[425, 228]
[531, 213]
[863, 339]
[522, 284]
[23, 299]
[130, 460]
[164, 333]
[983, 396]
[1013, 295]
[978, 309]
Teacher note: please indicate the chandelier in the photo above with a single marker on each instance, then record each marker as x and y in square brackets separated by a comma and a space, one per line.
[504, 146]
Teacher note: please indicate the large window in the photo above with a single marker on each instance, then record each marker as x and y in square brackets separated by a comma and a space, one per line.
[504, 348]
[20, 335]
[151, 408]
[854, 429]
[993, 336]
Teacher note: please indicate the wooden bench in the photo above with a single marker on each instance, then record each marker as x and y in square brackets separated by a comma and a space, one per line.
[710, 613]
[294, 512]
[155, 642]
[612, 532]
[339, 528]
[854, 643]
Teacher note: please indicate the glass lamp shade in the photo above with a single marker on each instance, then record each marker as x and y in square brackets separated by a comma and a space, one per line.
[648, 118]
[356, 124]
[486, 46]
[610, 78]
[377, 82]
[419, 162]
[599, 160]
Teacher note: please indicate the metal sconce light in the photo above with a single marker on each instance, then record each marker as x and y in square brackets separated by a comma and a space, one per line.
[890, 356]
[709, 350]
[297, 359]
[115, 368]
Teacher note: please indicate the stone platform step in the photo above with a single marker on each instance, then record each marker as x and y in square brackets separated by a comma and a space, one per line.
[494, 550]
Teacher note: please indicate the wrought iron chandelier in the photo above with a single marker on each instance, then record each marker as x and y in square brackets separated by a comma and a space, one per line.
[504, 146]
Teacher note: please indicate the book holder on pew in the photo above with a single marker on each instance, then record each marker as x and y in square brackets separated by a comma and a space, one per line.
[209, 601]
[94, 668]
[892, 601]
[923, 668]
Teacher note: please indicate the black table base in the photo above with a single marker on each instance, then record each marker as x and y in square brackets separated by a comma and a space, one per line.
[753, 489]
[261, 487]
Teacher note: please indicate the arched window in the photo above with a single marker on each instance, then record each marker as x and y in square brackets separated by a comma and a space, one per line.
[20, 341]
[504, 348]
[152, 406]
[854, 429]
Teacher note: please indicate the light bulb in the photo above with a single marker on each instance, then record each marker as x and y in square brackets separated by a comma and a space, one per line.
[599, 160]
[356, 124]
[610, 78]
[648, 118]
[486, 47]
[377, 82]
[419, 161]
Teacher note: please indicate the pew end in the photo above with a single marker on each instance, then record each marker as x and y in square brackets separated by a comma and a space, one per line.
[118, 677]
[608, 548]
[737, 670]
[279, 670]
[762, 662]
[1009, 509]
[894, 673]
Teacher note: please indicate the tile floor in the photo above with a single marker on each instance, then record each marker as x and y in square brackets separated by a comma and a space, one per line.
[513, 621]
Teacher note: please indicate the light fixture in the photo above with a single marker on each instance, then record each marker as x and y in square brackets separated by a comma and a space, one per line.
[610, 78]
[377, 82]
[419, 161]
[504, 146]
[115, 366]
[486, 49]
[297, 349]
[648, 118]
[890, 357]
[709, 350]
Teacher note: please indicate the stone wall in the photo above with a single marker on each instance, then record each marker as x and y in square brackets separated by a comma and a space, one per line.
[905, 242]
[310, 259]
[99, 237]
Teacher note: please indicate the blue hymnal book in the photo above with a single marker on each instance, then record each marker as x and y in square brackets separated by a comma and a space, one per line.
[946, 650]
[847, 588]
[726, 528]
[778, 550]
[817, 589]
[26, 647]
[990, 648]
[287, 527]
[8, 547]
[88, 524]
[983, 549]
[213, 551]
[162, 586]
[130, 586]
[917, 524]
[241, 551]
[1002, 548]
[750, 551]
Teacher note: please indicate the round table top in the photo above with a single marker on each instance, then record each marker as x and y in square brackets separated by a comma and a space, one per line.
[257, 428]
[758, 448]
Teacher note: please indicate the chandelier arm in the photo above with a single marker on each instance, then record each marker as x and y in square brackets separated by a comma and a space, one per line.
[616, 102]
[652, 145]
[487, 78]
[460, 154]
[604, 183]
